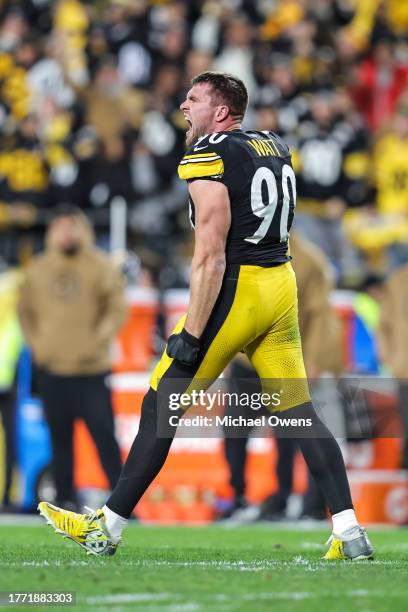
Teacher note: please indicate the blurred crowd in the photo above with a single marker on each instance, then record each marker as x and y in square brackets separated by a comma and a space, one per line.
[89, 114]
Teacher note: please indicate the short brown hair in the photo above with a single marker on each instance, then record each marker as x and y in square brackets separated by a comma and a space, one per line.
[228, 88]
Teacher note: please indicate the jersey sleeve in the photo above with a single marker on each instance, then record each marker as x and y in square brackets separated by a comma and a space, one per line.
[205, 160]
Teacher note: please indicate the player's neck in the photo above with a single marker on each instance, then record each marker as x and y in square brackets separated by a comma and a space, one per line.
[234, 126]
[228, 127]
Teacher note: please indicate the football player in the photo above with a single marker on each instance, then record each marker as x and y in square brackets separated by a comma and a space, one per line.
[243, 297]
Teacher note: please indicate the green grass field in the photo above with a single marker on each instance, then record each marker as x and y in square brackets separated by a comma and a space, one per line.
[188, 569]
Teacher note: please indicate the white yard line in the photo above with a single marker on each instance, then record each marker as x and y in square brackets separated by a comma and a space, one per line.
[243, 566]
[175, 600]
[146, 598]
[18, 520]
[33, 520]
[188, 606]
[292, 596]
[128, 598]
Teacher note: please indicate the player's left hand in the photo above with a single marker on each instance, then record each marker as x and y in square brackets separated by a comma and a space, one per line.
[183, 347]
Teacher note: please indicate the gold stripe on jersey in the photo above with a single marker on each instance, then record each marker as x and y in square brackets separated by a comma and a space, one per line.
[196, 155]
[200, 165]
[198, 160]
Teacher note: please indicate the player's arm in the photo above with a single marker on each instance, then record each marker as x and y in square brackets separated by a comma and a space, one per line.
[212, 223]
[213, 219]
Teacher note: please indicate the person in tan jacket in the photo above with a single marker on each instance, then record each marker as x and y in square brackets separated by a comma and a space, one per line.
[71, 307]
[393, 341]
[321, 343]
[317, 320]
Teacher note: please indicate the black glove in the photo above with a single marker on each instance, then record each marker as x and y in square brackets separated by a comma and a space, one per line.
[183, 347]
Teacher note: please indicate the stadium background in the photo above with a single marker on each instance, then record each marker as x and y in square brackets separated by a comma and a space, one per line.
[89, 113]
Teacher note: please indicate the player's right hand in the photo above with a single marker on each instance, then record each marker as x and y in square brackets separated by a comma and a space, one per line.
[183, 347]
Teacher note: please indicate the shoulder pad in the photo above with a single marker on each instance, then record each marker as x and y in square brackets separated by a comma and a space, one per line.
[281, 144]
[204, 159]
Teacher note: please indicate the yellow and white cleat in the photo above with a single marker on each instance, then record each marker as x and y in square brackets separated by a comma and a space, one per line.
[87, 530]
[353, 545]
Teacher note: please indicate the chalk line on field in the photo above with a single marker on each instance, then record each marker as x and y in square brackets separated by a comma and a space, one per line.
[127, 598]
[175, 600]
[145, 598]
[34, 520]
[243, 566]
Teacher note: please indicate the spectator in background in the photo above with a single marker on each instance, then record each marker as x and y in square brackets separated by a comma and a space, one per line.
[237, 55]
[11, 341]
[317, 318]
[13, 28]
[391, 179]
[381, 231]
[71, 307]
[70, 26]
[393, 340]
[366, 305]
[157, 150]
[102, 81]
[109, 174]
[23, 166]
[282, 92]
[378, 84]
[126, 31]
[331, 166]
[112, 107]
[196, 62]
[266, 118]
[24, 183]
[172, 45]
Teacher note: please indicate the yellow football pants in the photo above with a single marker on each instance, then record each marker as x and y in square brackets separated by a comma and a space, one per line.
[256, 312]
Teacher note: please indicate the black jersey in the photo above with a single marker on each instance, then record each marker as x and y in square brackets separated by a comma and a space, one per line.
[256, 168]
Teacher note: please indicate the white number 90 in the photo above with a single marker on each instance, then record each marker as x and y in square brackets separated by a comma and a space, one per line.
[267, 211]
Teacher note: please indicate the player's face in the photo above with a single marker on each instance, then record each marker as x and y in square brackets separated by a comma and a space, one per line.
[199, 111]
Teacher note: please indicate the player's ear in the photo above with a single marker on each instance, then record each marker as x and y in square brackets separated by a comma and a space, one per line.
[222, 112]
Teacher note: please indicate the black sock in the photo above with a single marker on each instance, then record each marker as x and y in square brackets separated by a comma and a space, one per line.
[236, 456]
[322, 455]
[145, 460]
[284, 469]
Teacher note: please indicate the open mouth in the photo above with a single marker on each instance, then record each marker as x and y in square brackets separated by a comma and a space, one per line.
[188, 121]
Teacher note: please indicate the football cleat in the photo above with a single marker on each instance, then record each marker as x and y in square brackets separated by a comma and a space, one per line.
[353, 544]
[87, 530]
